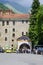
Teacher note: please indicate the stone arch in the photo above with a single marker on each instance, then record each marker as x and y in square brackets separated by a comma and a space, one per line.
[24, 46]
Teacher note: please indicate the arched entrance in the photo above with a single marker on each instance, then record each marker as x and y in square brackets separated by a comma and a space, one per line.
[24, 48]
[24, 44]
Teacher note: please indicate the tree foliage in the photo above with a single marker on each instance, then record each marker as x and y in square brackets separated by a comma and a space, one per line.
[40, 25]
[35, 6]
[3, 7]
[33, 33]
[36, 27]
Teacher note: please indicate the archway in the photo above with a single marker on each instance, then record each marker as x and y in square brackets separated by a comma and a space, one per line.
[24, 48]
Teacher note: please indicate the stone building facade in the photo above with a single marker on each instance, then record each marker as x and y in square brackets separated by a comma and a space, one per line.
[12, 26]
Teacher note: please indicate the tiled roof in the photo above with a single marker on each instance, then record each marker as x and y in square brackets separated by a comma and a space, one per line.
[14, 16]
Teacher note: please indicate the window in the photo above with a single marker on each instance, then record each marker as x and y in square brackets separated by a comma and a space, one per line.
[26, 33]
[13, 22]
[5, 30]
[2, 23]
[22, 33]
[26, 21]
[12, 40]
[7, 22]
[13, 35]
[5, 38]
[13, 29]
[22, 21]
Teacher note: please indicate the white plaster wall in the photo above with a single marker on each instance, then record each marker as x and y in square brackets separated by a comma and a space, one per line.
[19, 28]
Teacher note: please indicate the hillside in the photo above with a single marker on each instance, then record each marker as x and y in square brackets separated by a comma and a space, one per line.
[5, 7]
[17, 6]
[2, 7]
[12, 8]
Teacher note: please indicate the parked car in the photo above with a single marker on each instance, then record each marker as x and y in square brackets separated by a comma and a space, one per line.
[1, 50]
[8, 50]
[38, 49]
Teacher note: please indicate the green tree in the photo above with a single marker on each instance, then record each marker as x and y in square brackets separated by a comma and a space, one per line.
[35, 6]
[33, 22]
[40, 25]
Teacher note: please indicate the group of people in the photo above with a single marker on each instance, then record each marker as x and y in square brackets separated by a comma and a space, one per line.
[24, 50]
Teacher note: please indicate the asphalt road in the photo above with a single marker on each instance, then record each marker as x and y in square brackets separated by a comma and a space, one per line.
[20, 59]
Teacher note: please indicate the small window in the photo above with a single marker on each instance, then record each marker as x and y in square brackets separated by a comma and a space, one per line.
[13, 22]
[3, 23]
[22, 33]
[5, 38]
[22, 21]
[13, 35]
[5, 30]
[26, 21]
[12, 40]
[13, 29]
[7, 22]
[26, 33]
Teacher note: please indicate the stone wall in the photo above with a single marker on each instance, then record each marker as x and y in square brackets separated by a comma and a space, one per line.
[19, 28]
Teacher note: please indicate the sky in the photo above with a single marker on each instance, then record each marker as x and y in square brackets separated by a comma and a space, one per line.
[24, 3]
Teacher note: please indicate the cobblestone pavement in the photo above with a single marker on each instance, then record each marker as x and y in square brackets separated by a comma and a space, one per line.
[20, 59]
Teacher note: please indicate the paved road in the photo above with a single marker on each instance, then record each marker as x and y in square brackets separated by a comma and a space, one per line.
[20, 59]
